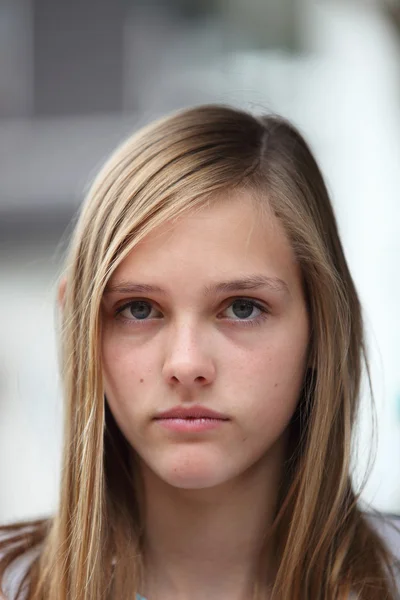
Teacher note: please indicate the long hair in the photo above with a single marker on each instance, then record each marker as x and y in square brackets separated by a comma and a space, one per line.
[325, 547]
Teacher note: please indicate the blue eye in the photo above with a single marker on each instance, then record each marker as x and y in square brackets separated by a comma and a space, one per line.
[137, 312]
[243, 308]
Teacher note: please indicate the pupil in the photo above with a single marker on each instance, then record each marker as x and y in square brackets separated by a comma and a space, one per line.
[242, 306]
[143, 311]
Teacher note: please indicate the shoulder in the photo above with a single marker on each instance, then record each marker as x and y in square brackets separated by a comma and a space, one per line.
[15, 563]
[388, 528]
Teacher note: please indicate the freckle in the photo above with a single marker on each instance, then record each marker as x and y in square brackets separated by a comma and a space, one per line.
[276, 385]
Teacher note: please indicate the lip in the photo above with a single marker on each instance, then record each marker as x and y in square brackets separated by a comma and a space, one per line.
[191, 425]
[191, 412]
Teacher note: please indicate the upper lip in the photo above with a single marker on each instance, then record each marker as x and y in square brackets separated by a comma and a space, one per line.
[184, 412]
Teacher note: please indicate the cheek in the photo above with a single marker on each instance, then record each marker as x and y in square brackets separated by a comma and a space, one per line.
[125, 374]
[267, 415]
[125, 370]
[270, 383]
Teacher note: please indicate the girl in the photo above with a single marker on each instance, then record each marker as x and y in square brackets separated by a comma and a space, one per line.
[212, 349]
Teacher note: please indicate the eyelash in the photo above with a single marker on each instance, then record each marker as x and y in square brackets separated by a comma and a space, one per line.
[246, 323]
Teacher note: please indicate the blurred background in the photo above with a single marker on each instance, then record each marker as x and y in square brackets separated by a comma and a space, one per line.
[77, 77]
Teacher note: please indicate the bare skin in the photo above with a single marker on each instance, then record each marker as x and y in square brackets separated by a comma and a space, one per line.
[209, 497]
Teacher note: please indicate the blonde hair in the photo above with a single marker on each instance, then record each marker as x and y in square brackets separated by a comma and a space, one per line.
[92, 547]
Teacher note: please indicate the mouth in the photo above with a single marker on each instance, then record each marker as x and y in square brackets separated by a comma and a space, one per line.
[193, 419]
[192, 413]
[191, 424]
[202, 417]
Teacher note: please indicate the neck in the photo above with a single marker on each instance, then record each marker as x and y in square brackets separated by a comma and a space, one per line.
[210, 542]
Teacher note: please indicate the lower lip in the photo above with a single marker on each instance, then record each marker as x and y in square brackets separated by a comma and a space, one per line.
[203, 424]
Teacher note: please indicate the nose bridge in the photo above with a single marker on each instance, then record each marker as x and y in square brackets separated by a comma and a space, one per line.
[188, 354]
[186, 337]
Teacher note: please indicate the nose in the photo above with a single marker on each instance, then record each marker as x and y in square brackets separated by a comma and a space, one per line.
[188, 359]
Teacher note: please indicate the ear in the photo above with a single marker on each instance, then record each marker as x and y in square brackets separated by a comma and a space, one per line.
[62, 288]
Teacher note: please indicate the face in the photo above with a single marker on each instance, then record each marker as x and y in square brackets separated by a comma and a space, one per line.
[187, 340]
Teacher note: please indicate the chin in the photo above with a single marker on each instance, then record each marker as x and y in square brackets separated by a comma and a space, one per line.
[188, 476]
[192, 483]
[190, 468]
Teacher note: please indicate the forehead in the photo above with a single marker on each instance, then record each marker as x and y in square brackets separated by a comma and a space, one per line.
[226, 236]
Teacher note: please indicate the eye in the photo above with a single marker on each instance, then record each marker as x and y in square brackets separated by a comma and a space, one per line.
[135, 310]
[139, 312]
[243, 308]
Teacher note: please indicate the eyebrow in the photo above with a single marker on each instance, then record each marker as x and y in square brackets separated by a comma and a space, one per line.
[249, 282]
